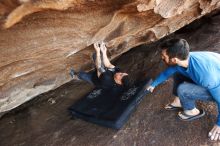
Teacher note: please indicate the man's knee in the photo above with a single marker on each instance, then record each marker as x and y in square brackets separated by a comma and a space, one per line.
[183, 90]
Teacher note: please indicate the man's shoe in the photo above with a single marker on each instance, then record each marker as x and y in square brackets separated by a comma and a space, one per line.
[170, 107]
[191, 117]
[72, 73]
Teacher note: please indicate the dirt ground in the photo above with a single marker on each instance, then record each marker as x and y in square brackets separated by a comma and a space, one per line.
[45, 121]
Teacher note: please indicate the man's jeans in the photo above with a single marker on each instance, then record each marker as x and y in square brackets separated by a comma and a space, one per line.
[87, 76]
[188, 92]
[91, 77]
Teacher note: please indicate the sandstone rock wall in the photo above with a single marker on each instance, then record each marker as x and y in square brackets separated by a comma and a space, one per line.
[40, 40]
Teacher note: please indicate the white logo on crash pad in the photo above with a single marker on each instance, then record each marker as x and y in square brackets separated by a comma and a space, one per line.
[129, 93]
[94, 93]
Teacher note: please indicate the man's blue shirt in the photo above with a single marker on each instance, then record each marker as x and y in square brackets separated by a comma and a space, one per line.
[203, 69]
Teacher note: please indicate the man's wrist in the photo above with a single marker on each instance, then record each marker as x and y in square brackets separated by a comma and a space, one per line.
[98, 54]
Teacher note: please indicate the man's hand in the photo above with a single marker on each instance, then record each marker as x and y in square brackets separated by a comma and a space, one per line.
[103, 47]
[150, 88]
[214, 134]
[97, 46]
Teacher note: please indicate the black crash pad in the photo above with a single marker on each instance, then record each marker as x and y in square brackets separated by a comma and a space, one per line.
[109, 109]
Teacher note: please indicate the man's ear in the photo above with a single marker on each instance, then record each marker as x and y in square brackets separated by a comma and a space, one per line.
[174, 60]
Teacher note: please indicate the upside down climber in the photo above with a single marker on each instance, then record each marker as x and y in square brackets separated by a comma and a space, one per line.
[106, 76]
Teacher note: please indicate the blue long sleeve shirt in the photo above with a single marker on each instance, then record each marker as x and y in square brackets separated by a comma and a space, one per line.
[203, 69]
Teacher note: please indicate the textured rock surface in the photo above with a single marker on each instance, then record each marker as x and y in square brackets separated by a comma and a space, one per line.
[38, 49]
[44, 121]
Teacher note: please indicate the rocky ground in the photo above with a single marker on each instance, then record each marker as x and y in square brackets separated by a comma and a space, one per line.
[40, 40]
[46, 121]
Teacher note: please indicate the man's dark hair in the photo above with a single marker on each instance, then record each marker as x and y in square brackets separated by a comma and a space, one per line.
[126, 81]
[178, 48]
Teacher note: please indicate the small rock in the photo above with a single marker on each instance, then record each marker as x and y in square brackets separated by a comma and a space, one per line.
[51, 101]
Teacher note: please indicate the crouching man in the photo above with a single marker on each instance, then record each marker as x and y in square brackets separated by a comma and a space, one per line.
[196, 77]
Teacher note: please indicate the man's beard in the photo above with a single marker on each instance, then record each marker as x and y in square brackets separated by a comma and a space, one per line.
[169, 63]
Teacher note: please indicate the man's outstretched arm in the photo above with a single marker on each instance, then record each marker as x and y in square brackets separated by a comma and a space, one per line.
[106, 61]
[98, 59]
[162, 77]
